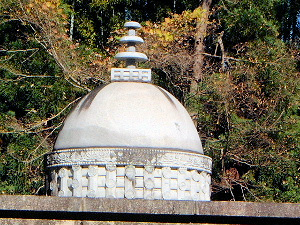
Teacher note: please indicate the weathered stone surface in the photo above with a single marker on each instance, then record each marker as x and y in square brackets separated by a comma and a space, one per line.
[131, 182]
[142, 115]
[42, 207]
[72, 222]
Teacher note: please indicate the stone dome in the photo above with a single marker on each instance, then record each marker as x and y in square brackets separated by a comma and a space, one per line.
[129, 114]
[129, 139]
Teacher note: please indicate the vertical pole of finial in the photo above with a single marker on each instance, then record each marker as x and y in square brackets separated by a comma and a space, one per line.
[131, 63]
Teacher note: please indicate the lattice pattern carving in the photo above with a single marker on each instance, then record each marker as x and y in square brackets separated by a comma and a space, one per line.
[130, 182]
[128, 74]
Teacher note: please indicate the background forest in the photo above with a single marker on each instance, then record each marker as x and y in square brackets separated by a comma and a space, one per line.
[233, 63]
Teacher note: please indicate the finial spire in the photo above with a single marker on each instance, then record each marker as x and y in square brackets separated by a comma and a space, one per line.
[131, 57]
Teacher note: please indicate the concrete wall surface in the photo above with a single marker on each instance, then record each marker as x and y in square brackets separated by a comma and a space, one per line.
[71, 210]
[73, 222]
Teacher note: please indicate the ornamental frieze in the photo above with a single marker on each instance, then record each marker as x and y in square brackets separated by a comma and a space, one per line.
[130, 156]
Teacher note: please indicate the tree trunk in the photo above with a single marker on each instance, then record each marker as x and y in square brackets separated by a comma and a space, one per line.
[72, 22]
[199, 44]
[220, 43]
[72, 26]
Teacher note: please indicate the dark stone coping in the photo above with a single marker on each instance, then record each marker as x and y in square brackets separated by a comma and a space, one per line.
[137, 210]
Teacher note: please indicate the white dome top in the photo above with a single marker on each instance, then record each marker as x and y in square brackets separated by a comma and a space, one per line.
[129, 114]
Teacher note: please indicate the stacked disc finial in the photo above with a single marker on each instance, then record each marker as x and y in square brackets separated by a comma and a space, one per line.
[131, 57]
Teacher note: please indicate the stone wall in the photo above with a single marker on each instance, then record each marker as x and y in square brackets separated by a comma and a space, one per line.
[92, 211]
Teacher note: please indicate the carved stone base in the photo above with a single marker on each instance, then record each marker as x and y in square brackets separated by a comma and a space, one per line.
[133, 173]
[130, 182]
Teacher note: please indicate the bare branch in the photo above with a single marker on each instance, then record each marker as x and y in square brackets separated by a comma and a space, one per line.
[30, 56]
[244, 186]
[276, 121]
[10, 57]
[53, 117]
[243, 192]
[44, 140]
[24, 76]
[34, 126]
[240, 160]
[39, 145]
[26, 131]
[77, 84]
[34, 76]
[235, 59]
[18, 50]
[230, 190]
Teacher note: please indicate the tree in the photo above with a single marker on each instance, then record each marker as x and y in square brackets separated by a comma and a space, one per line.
[36, 91]
[246, 107]
[201, 33]
[234, 64]
[289, 19]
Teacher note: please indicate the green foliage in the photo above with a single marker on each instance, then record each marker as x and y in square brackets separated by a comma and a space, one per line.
[248, 20]
[96, 19]
[247, 113]
[32, 95]
[253, 126]
[288, 16]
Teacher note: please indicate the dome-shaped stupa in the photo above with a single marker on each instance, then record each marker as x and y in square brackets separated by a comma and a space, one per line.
[129, 139]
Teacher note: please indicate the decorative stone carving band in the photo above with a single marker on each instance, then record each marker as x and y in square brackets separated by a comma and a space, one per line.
[130, 156]
[130, 182]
